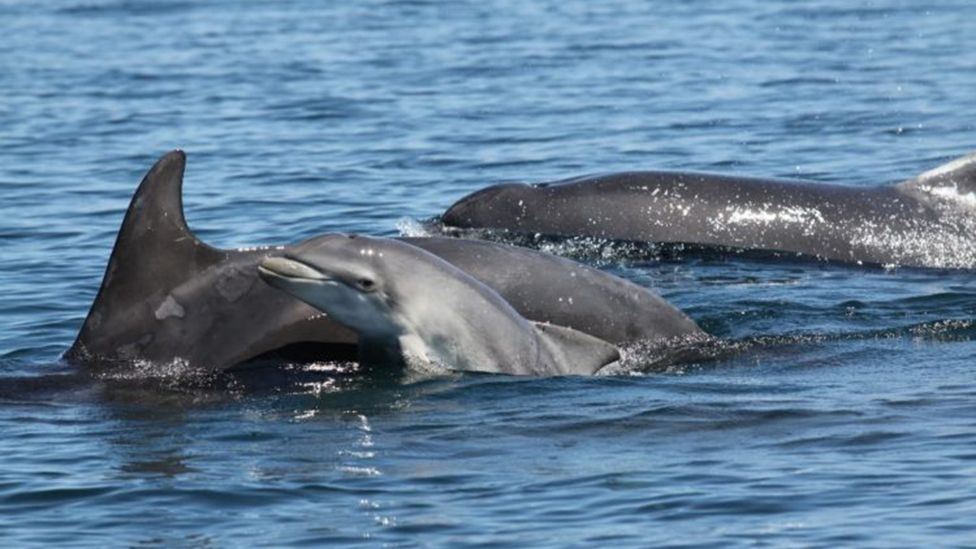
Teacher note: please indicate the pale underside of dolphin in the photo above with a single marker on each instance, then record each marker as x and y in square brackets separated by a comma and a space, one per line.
[927, 221]
[410, 307]
[168, 298]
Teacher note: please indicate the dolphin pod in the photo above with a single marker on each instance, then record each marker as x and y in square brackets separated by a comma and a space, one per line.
[927, 221]
[406, 303]
[169, 298]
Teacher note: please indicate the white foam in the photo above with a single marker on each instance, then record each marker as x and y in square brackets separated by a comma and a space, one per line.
[412, 228]
[950, 193]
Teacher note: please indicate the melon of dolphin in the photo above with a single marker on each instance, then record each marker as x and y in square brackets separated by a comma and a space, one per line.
[169, 297]
[927, 221]
[419, 309]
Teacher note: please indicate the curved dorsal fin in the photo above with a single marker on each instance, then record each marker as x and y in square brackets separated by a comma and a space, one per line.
[154, 252]
[155, 241]
[959, 174]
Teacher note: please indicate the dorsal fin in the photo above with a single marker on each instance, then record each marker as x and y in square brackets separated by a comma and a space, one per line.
[154, 251]
[575, 352]
[959, 174]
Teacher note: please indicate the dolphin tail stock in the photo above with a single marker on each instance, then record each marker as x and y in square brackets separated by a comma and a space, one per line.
[958, 175]
[154, 252]
[575, 352]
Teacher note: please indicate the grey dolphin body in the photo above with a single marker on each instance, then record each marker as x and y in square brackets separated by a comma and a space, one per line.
[423, 311]
[167, 297]
[928, 221]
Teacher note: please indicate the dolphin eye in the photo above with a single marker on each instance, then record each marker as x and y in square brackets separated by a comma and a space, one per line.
[365, 284]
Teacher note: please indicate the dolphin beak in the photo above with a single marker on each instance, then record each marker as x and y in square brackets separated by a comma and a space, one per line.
[277, 268]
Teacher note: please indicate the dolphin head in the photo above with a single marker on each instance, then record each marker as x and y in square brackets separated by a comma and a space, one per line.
[498, 204]
[346, 276]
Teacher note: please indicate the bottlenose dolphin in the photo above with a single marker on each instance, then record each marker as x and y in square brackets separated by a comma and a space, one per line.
[927, 221]
[413, 306]
[168, 298]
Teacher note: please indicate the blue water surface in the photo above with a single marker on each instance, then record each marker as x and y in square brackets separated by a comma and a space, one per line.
[849, 421]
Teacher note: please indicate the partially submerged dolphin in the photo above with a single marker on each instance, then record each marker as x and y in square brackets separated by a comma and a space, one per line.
[928, 221]
[411, 306]
[168, 298]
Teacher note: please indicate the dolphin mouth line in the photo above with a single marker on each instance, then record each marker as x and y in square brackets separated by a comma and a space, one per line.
[278, 274]
[287, 268]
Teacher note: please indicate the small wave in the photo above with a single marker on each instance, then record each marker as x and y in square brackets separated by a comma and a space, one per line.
[684, 355]
[36, 389]
[126, 8]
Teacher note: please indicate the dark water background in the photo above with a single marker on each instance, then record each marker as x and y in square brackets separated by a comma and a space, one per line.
[855, 424]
